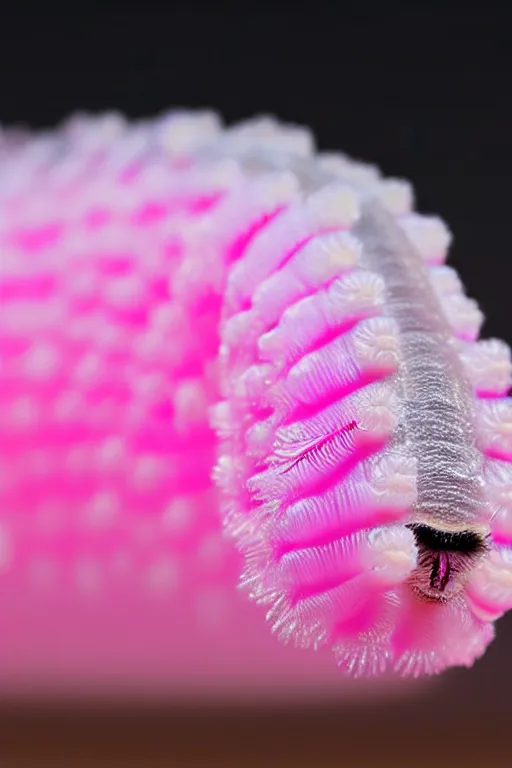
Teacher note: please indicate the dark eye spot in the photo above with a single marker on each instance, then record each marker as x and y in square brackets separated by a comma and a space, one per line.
[465, 542]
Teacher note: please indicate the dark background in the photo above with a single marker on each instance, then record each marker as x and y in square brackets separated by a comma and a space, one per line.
[426, 94]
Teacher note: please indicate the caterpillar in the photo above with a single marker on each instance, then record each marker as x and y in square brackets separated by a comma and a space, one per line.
[190, 311]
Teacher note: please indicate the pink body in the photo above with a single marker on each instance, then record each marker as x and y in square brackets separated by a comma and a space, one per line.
[145, 275]
[114, 571]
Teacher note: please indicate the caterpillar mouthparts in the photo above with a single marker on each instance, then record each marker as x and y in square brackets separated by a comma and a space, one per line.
[181, 301]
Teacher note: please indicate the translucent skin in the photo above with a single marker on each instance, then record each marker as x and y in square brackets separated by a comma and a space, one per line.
[177, 303]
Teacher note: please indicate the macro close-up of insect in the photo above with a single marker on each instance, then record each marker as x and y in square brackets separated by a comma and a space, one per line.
[255, 375]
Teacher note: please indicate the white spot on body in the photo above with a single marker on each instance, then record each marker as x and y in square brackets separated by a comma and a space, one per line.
[162, 575]
[68, 405]
[111, 453]
[191, 404]
[102, 509]
[178, 515]
[123, 293]
[23, 414]
[41, 362]
[89, 370]
[147, 472]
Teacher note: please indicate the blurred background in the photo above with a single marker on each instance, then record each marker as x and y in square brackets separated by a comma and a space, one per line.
[425, 94]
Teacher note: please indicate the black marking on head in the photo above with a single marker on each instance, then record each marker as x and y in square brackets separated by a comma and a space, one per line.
[435, 571]
[443, 559]
[466, 542]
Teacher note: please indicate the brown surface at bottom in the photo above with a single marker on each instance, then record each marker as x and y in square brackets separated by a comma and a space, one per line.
[334, 736]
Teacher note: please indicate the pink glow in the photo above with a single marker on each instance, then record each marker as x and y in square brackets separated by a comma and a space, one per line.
[116, 569]
[201, 377]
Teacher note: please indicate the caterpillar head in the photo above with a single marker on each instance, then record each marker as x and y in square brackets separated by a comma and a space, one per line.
[445, 559]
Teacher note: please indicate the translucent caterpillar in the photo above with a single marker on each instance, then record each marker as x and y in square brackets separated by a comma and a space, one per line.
[224, 315]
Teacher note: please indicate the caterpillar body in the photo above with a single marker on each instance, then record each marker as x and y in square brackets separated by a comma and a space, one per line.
[289, 322]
